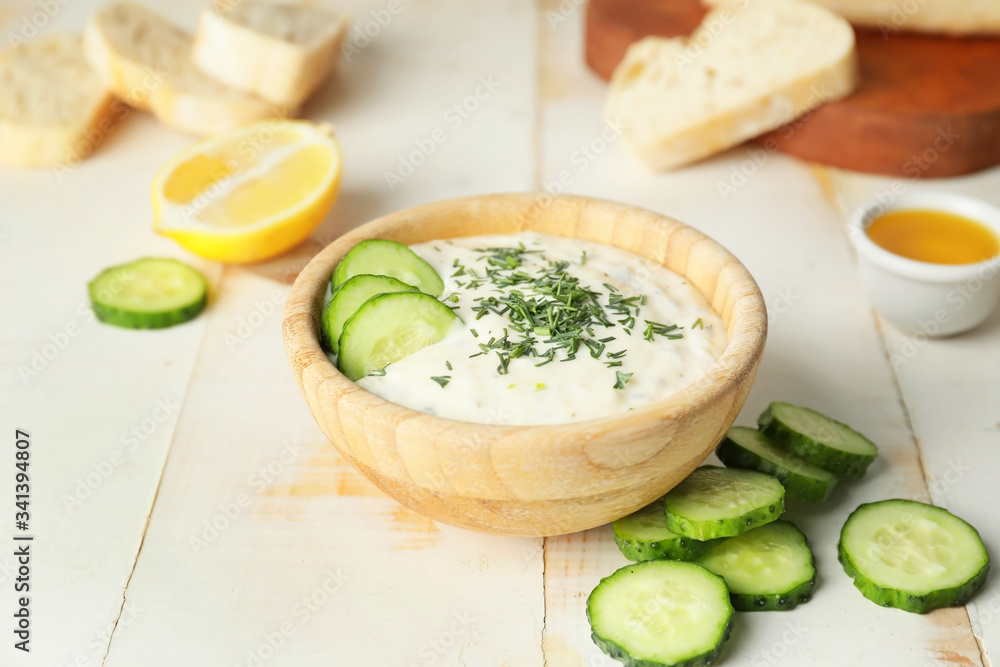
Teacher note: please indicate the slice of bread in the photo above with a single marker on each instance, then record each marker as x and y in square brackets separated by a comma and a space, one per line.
[147, 61]
[54, 110]
[956, 17]
[280, 53]
[746, 70]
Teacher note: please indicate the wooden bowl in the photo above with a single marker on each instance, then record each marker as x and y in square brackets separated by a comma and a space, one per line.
[533, 480]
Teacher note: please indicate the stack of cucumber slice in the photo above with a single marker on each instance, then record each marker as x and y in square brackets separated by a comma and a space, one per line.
[817, 439]
[724, 523]
[807, 451]
[644, 535]
[384, 307]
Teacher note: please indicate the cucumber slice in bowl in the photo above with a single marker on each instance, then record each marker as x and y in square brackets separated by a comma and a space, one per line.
[149, 293]
[912, 556]
[821, 441]
[388, 258]
[643, 535]
[723, 502]
[750, 449]
[390, 327]
[661, 613]
[769, 568]
[349, 297]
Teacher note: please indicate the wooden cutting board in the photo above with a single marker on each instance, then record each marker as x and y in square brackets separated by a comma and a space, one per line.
[927, 106]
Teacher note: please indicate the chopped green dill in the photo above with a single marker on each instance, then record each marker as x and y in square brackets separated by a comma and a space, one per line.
[621, 379]
[549, 314]
[448, 365]
[698, 324]
[657, 329]
[504, 362]
[441, 379]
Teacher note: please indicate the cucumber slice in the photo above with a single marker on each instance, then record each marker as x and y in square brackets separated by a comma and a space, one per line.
[643, 535]
[661, 613]
[769, 568]
[388, 258]
[749, 448]
[349, 297]
[149, 293]
[821, 441]
[723, 502]
[912, 556]
[389, 327]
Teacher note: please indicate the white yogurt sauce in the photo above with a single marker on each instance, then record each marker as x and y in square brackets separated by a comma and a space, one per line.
[564, 390]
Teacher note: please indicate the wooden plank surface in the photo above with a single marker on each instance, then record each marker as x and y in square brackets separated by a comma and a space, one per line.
[101, 403]
[311, 562]
[824, 351]
[263, 547]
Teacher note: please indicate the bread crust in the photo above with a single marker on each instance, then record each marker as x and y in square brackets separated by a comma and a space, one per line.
[56, 110]
[683, 99]
[281, 67]
[146, 60]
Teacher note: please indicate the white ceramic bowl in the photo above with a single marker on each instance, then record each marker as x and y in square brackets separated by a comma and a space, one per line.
[935, 299]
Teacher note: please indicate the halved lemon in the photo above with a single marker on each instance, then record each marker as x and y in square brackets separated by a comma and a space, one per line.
[250, 193]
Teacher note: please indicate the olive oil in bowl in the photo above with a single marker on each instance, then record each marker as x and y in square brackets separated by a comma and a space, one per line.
[931, 264]
[936, 237]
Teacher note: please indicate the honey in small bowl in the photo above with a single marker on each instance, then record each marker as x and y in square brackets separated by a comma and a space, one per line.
[935, 237]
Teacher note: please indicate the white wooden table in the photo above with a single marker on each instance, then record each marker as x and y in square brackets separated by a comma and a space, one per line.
[187, 510]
